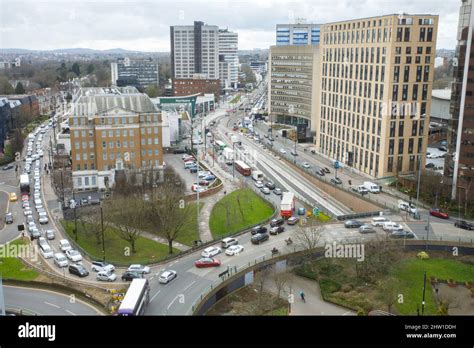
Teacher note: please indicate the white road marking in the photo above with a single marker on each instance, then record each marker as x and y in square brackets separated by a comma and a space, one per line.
[171, 303]
[52, 304]
[187, 287]
[153, 297]
[70, 312]
[151, 278]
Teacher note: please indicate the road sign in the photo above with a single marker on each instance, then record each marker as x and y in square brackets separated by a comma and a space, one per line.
[337, 165]
[315, 211]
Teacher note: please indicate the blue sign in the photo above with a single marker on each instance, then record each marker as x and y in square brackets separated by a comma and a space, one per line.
[337, 165]
[315, 211]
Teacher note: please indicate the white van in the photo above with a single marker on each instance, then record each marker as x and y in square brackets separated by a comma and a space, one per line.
[374, 188]
[379, 221]
[405, 206]
[227, 242]
[391, 226]
[189, 165]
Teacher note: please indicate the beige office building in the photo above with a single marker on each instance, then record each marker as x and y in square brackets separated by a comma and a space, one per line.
[376, 81]
[113, 129]
[293, 84]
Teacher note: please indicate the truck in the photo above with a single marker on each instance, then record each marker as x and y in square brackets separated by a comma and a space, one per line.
[257, 175]
[234, 139]
[287, 205]
[228, 154]
[360, 189]
[24, 184]
[371, 187]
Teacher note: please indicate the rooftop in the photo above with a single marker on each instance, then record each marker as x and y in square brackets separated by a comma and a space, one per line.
[441, 94]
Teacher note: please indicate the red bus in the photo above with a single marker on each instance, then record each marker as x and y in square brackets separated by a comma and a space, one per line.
[243, 168]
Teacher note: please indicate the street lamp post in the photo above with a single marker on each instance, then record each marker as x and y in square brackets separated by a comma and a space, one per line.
[419, 177]
[102, 228]
[233, 160]
[424, 291]
[296, 139]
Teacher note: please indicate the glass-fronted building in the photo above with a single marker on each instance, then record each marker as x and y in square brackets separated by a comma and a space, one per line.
[297, 34]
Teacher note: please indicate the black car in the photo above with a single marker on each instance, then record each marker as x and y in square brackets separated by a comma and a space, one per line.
[464, 224]
[402, 234]
[336, 181]
[9, 218]
[430, 165]
[443, 148]
[129, 276]
[8, 166]
[277, 230]
[180, 151]
[259, 238]
[352, 224]
[270, 185]
[78, 270]
[320, 172]
[277, 222]
[326, 170]
[193, 169]
[258, 229]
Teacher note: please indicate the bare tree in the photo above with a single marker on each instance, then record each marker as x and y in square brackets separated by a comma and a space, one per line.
[388, 292]
[308, 238]
[281, 281]
[128, 217]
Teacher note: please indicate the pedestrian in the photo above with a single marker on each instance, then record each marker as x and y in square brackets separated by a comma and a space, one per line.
[225, 192]
[302, 296]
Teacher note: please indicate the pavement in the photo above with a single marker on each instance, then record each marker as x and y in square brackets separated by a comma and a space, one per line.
[314, 304]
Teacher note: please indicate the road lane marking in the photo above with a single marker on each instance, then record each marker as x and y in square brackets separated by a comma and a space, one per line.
[52, 304]
[171, 303]
[153, 297]
[71, 312]
[187, 287]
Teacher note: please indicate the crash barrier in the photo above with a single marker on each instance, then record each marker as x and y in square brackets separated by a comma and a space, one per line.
[362, 215]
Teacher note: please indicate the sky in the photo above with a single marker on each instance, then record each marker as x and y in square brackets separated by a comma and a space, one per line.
[143, 25]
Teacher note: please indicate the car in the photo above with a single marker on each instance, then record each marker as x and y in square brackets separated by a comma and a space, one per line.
[78, 270]
[99, 266]
[9, 218]
[301, 211]
[352, 224]
[106, 276]
[402, 234]
[320, 172]
[25, 204]
[203, 183]
[34, 232]
[336, 181]
[431, 155]
[30, 218]
[438, 213]
[13, 197]
[64, 245]
[282, 151]
[193, 170]
[258, 229]
[259, 238]
[229, 241]
[139, 269]
[207, 262]
[277, 230]
[265, 190]
[429, 165]
[197, 188]
[167, 276]
[50, 234]
[211, 251]
[326, 170]
[43, 219]
[129, 276]
[74, 255]
[443, 148]
[306, 165]
[60, 260]
[270, 185]
[407, 206]
[392, 226]
[8, 166]
[46, 251]
[366, 229]
[27, 211]
[277, 191]
[210, 177]
[277, 222]
[234, 250]
[258, 184]
[84, 201]
[203, 173]
[294, 153]
[464, 224]
[292, 220]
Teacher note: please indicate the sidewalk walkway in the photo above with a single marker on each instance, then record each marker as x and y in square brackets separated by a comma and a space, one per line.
[314, 305]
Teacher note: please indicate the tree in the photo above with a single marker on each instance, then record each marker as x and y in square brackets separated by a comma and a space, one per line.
[76, 69]
[19, 89]
[308, 238]
[62, 72]
[128, 218]
[152, 91]
[5, 86]
[388, 292]
[90, 69]
[167, 210]
[68, 97]
[17, 141]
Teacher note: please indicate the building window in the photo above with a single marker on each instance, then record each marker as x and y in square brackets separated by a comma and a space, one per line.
[79, 182]
[104, 145]
[400, 146]
[131, 133]
[86, 181]
[104, 134]
[94, 183]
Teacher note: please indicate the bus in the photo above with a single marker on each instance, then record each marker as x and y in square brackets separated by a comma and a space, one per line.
[243, 168]
[136, 299]
[24, 184]
[219, 145]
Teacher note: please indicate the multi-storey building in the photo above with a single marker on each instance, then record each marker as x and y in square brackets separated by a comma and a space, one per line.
[139, 73]
[376, 81]
[113, 129]
[198, 84]
[297, 34]
[228, 59]
[293, 85]
[194, 49]
[459, 165]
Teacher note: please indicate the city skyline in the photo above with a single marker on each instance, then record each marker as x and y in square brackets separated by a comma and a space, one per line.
[148, 23]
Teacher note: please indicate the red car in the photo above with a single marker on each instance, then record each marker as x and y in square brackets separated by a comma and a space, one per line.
[207, 262]
[203, 182]
[438, 213]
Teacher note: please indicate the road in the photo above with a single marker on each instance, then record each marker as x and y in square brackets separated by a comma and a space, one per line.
[45, 302]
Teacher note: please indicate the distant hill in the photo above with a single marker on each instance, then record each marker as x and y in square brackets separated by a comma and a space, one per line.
[75, 51]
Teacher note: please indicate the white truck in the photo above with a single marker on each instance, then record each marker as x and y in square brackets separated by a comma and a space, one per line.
[371, 187]
[257, 175]
[228, 154]
[360, 189]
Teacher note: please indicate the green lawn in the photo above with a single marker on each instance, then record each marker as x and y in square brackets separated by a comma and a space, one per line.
[190, 233]
[12, 267]
[226, 216]
[235, 100]
[147, 251]
[410, 273]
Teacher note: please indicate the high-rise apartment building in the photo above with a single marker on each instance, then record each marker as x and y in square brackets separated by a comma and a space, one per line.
[205, 50]
[113, 129]
[459, 165]
[139, 73]
[293, 85]
[297, 34]
[376, 81]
